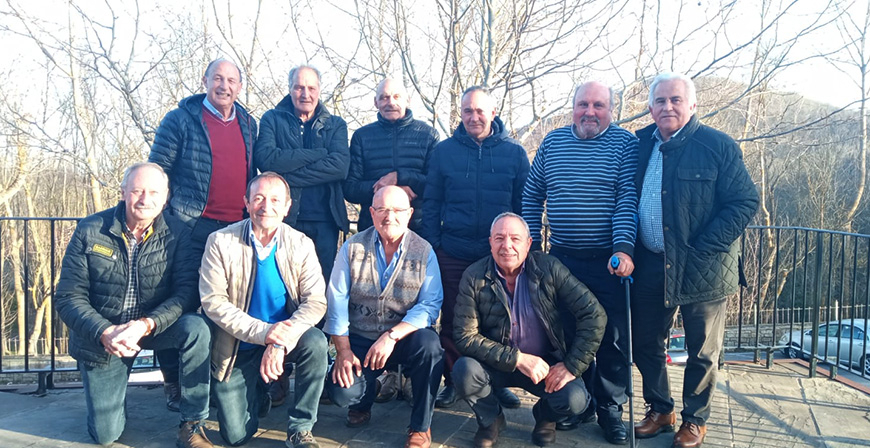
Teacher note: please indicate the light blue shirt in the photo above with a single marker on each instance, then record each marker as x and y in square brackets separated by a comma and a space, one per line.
[216, 113]
[423, 314]
[649, 207]
[263, 252]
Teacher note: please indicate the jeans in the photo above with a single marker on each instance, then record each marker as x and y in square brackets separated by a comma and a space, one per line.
[325, 237]
[239, 397]
[475, 382]
[421, 355]
[608, 378]
[106, 386]
[652, 322]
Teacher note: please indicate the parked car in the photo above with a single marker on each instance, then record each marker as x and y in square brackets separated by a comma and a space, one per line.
[677, 348]
[144, 360]
[835, 338]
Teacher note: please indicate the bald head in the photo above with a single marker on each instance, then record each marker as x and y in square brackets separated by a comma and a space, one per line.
[593, 103]
[391, 99]
[391, 210]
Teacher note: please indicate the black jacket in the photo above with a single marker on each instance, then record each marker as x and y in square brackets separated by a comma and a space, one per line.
[279, 148]
[708, 199]
[182, 148]
[482, 322]
[93, 279]
[385, 146]
[467, 186]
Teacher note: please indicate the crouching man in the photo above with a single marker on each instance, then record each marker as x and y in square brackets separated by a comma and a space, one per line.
[384, 296]
[513, 327]
[128, 282]
[262, 286]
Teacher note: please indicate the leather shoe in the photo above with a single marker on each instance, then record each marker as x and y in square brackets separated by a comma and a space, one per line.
[446, 397]
[419, 439]
[544, 432]
[355, 418]
[507, 398]
[655, 423]
[572, 422]
[172, 391]
[487, 436]
[614, 429]
[690, 435]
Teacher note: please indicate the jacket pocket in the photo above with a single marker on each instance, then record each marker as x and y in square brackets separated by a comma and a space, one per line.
[696, 186]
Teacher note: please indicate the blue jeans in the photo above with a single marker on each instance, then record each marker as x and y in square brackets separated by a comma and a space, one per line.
[420, 353]
[475, 382]
[106, 386]
[238, 398]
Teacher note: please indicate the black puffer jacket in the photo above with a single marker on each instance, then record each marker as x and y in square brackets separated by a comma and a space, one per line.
[279, 148]
[182, 148]
[708, 199]
[482, 323]
[467, 186]
[385, 146]
[93, 279]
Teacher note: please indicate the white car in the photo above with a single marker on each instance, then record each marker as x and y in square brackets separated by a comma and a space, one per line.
[841, 338]
[677, 353]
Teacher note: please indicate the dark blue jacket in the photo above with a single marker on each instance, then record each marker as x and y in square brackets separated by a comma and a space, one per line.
[280, 149]
[467, 186]
[182, 148]
[385, 146]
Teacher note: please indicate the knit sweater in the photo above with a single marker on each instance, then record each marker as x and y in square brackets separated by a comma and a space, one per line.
[373, 310]
[588, 186]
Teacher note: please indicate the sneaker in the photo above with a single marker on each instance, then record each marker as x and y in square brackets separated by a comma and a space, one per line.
[172, 391]
[301, 439]
[192, 435]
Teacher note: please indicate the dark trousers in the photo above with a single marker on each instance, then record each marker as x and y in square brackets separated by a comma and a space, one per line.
[608, 378]
[106, 386]
[239, 397]
[419, 353]
[475, 382]
[325, 237]
[652, 322]
[451, 272]
[168, 359]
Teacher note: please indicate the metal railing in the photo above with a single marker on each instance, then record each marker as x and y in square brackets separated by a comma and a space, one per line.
[799, 279]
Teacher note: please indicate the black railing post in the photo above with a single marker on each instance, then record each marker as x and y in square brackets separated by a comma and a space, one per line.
[814, 350]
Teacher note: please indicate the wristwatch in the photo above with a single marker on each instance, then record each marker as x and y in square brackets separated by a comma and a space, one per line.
[392, 336]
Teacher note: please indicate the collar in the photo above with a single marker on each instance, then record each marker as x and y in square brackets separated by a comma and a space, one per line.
[501, 276]
[214, 111]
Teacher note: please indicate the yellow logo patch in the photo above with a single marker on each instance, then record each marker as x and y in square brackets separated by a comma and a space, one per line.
[102, 250]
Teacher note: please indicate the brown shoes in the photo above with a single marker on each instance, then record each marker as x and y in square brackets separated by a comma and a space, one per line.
[690, 435]
[544, 432]
[655, 423]
[192, 435]
[418, 439]
[487, 436]
[355, 419]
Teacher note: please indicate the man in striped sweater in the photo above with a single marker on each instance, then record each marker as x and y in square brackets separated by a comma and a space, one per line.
[584, 172]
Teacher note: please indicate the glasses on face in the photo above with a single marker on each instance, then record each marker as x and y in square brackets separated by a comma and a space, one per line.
[384, 210]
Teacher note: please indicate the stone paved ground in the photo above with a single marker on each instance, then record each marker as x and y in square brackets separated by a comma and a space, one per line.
[754, 407]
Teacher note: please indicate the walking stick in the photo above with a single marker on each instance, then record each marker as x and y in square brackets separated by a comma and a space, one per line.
[614, 263]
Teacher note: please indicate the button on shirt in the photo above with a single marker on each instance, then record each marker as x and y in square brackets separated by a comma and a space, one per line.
[423, 314]
[650, 205]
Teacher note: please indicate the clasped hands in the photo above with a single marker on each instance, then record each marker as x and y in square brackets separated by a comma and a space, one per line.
[555, 377]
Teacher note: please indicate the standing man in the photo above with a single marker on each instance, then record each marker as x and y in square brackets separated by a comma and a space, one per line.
[511, 331]
[302, 141]
[128, 282]
[585, 174]
[261, 285]
[384, 297]
[391, 151]
[205, 147]
[696, 198]
[473, 176]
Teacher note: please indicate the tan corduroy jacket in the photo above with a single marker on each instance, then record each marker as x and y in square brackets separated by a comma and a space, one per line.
[225, 283]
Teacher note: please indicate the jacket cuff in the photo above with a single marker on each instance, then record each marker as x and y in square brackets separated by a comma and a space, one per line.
[626, 248]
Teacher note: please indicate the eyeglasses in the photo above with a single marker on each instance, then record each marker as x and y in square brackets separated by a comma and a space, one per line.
[384, 210]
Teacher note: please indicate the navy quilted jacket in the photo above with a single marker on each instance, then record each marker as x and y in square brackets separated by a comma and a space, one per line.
[467, 186]
[182, 148]
[708, 199]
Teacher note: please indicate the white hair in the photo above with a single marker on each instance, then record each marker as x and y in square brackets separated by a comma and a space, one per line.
[670, 76]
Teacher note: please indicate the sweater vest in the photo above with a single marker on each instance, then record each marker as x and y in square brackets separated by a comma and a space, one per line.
[372, 310]
[268, 294]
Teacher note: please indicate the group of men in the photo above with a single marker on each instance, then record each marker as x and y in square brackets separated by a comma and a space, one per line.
[448, 233]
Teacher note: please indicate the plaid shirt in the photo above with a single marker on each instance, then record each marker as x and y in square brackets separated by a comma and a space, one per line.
[650, 205]
[131, 310]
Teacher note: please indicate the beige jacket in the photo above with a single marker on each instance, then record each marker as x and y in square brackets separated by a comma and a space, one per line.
[226, 280]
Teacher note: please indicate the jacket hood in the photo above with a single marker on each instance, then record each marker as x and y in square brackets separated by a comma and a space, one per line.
[499, 133]
[400, 123]
[286, 105]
